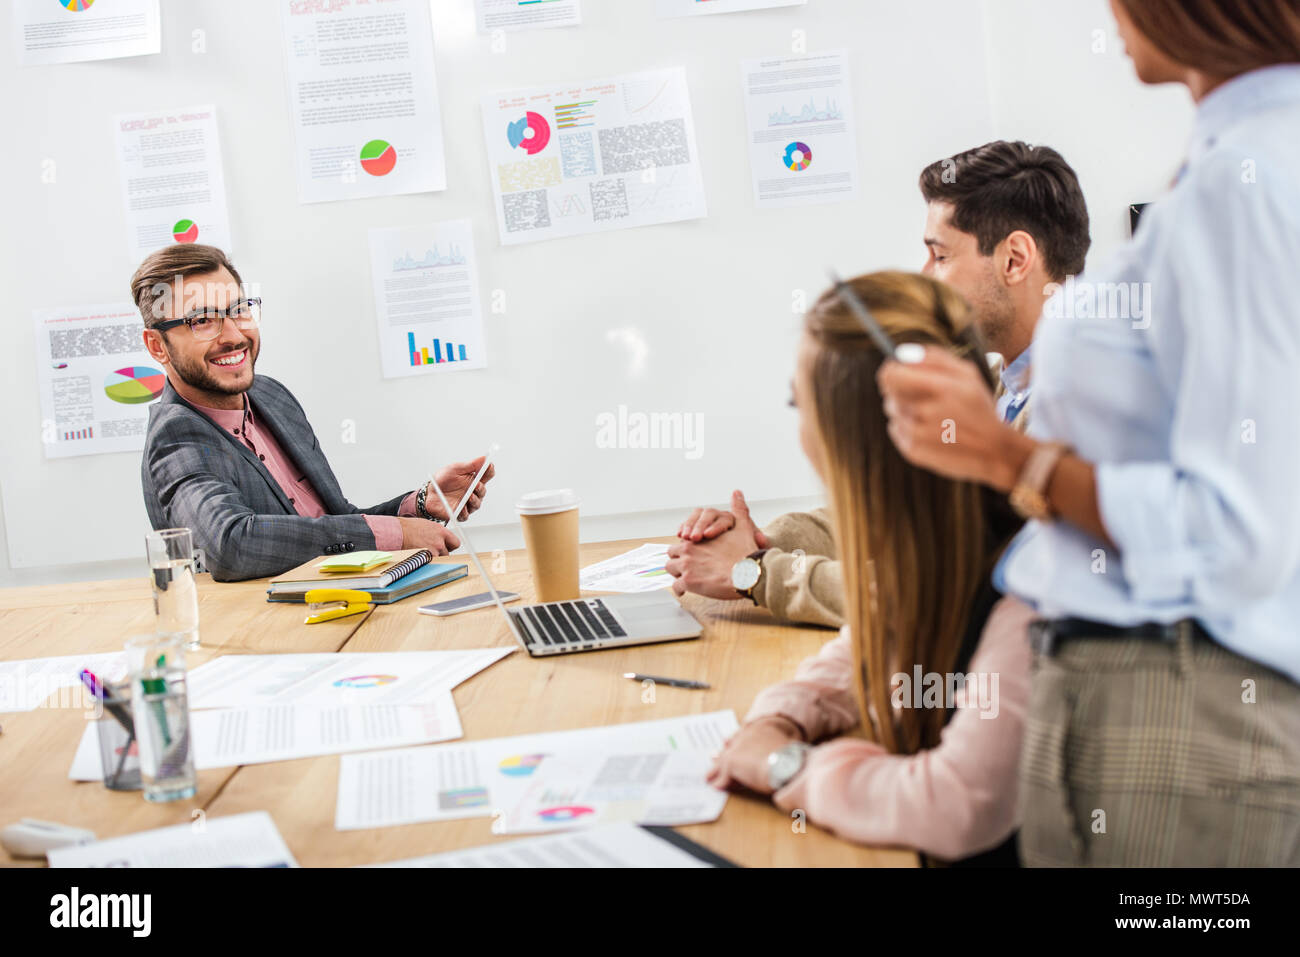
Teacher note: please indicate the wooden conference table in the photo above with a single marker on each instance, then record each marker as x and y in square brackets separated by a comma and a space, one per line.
[741, 651]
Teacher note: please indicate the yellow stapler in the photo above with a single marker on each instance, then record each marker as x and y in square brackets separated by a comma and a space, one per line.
[326, 604]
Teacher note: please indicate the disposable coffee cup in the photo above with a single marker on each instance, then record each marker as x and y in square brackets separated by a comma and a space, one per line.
[550, 521]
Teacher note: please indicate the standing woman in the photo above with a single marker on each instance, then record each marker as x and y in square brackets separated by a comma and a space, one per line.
[1163, 473]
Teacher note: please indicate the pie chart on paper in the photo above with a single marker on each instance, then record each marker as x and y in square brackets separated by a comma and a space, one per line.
[185, 231]
[134, 385]
[378, 157]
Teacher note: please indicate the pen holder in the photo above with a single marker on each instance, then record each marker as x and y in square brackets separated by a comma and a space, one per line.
[118, 751]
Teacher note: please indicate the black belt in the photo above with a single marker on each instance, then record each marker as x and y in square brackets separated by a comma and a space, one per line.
[1047, 634]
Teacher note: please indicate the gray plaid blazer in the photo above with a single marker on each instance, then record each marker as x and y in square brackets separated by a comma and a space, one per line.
[196, 475]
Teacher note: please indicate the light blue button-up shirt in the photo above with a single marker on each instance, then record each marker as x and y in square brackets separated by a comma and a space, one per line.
[1015, 378]
[1176, 370]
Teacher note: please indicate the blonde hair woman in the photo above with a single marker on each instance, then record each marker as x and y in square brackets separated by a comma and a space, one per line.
[935, 766]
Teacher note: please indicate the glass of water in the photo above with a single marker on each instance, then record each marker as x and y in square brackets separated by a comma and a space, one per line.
[171, 570]
[161, 712]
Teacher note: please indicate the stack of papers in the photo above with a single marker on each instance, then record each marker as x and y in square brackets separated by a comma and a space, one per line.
[241, 840]
[641, 569]
[648, 772]
[254, 709]
[611, 845]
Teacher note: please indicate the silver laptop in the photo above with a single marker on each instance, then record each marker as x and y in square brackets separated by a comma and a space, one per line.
[590, 624]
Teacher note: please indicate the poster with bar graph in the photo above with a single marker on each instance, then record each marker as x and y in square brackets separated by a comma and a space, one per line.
[427, 298]
[96, 380]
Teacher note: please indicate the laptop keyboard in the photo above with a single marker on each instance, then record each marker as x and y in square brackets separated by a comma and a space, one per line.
[570, 623]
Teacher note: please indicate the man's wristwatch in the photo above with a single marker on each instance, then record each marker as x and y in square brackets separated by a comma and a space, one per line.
[747, 573]
[784, 763]
[1029, 495]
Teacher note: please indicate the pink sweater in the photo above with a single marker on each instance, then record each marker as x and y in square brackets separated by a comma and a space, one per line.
[950, 801]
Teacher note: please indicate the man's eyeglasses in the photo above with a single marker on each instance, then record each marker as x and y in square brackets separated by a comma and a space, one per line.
[206, 324]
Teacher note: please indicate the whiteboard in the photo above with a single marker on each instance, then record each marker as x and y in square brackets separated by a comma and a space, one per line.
[689, 318]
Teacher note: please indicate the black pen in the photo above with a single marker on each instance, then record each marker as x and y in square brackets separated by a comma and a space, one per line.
[671, 682]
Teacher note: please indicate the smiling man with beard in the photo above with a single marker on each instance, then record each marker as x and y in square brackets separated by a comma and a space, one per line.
[231, 455]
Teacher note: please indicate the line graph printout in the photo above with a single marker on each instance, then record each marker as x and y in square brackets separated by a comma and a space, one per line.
[802, 142]
[593, 156]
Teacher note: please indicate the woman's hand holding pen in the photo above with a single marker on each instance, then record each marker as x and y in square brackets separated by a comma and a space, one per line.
[743, 759]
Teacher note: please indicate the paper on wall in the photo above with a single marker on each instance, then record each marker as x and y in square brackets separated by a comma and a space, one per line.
[73, 31]
[526, 14]
[802, 142]
[593, 156]
[95, 378]
[699, 8]
[427, 298]
[173, 185]
[363, 99]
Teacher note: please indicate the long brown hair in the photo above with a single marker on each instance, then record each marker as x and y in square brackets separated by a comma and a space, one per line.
[916, 547]
[1220, 37]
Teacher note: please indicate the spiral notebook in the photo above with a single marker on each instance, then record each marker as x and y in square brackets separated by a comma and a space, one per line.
[307, 576]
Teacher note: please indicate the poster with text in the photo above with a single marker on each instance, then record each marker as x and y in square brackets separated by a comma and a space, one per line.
[74, 31]
[526, 14]
[426, 298]
[363, 98]
[803, 147]
[594, 156]
[700, 8]
[173, 186]
[97, 381]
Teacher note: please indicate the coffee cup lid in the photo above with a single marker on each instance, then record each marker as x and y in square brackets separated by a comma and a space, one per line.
[543, 503]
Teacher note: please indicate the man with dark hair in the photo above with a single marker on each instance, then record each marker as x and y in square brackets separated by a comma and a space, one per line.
[231, 455]
[1006, 222]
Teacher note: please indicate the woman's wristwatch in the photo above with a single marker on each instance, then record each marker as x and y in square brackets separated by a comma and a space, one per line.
[747, 573]
[784, 763]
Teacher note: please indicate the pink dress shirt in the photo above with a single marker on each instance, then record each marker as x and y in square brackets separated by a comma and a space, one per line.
[951, 801]
[241, 424]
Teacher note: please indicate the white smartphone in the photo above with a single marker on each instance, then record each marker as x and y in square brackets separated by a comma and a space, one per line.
[468, 603]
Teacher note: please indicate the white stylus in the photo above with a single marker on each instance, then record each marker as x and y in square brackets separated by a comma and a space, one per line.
[487, 460]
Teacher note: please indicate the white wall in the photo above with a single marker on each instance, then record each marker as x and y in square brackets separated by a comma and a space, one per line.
[711, 299]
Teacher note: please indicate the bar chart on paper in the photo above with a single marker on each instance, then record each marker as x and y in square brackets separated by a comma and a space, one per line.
[427, 298]
[422, 356]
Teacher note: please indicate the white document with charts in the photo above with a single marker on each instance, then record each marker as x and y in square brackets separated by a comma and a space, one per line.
[552, 779]
[593, 156]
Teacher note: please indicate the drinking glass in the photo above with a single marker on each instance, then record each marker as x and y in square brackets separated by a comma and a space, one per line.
[171, 571]
[160, 707]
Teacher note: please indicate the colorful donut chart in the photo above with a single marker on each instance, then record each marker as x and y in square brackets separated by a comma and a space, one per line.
[800, 162]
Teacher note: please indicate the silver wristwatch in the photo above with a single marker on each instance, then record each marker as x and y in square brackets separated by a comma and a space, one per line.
[784, 763]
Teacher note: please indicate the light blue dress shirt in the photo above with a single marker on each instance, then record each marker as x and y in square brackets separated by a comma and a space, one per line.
[1015, 378]
[1187, 397]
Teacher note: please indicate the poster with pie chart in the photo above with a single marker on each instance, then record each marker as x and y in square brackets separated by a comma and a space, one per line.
[134, 385]
[97, 382]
